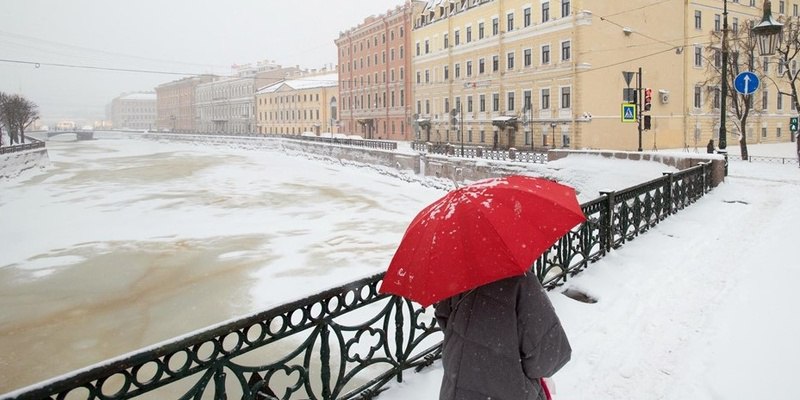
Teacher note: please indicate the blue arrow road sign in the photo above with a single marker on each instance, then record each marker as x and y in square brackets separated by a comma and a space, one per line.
[746, 82]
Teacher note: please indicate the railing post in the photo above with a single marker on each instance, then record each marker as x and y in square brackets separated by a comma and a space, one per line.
[607, 221]
[398, 337]
[668, 192]
[325, 360]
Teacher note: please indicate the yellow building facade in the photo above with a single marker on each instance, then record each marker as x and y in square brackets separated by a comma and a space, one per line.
[300, 104]
[542, 74]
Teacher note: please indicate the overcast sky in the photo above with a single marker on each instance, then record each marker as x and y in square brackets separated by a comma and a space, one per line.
[182, 36]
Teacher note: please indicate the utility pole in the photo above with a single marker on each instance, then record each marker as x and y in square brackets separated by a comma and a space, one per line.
[723, 133]
[639, 105]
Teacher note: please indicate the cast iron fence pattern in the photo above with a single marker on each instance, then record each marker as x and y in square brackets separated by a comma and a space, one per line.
[350, 341]
[455, 150]
[366, 143]
[34, 144]
[770, 160]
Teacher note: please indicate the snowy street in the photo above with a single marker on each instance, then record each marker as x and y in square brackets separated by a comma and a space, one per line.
[701, 307]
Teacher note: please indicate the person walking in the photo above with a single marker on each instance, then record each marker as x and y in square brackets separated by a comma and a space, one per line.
[500, 340]
[710, 146]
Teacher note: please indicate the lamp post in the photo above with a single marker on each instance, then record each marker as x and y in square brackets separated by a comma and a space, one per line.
[553, 127]
[768, 35]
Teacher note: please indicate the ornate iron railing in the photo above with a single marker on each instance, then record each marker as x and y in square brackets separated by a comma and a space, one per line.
[350, 341]
[34, 144]
[455, 150]
[771, 160]
[365, 143]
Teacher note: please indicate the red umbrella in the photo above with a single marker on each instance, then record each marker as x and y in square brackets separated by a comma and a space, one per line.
[478, 234]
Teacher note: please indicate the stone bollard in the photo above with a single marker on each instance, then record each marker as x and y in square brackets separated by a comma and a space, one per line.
[512, 153]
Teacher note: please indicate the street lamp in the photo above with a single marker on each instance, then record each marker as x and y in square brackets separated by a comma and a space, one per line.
[553, 126]
[767, 32]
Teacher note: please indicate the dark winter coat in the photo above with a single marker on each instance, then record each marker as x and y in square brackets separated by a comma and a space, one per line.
[499, 339]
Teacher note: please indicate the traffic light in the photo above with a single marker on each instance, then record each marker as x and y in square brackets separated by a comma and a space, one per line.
[648, 99]
[793, 124]
[647, 122]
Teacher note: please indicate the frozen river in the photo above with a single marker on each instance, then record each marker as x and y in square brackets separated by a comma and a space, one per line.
[125, 243]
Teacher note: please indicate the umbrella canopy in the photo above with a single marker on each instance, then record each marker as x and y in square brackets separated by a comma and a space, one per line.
[478, 234]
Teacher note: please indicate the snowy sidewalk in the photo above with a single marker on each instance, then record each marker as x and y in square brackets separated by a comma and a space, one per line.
[701, 307]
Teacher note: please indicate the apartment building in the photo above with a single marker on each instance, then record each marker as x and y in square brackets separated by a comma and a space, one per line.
[175, 104]
[374, 65]
[304, 103]
[548, 74]
[227, 104]
[134, 111]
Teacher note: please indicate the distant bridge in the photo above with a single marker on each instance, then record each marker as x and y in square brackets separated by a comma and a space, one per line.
[82, 135]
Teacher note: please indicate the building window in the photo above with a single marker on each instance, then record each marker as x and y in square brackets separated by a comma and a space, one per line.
[418, 48]
[510, 61]
[495, 63]
[716, 98]
[427, 76]
[495, 102]
[481, 32]
[457, 37]
[698, 56]
[779, 105]
[510, 105]
[526, 17]
[526, 100]
[546, 54]
[565, 97]
[469, 34]
[482, 102]
[457, 70]
[527, 57]
[545, 94]
[469, 104]
[446, 41]
[697, 97]
[495, 26]
[510, 22]
[782, 7]
[717, 23]
[565, 47]
[698, 19]
[764, 100]
[764, 132]
[766, 65]
[446, 72]
[481, 66]
[469, 68]
[545, 11]
[564, 8]
[427, 48]
[717, 58]
[735, 26]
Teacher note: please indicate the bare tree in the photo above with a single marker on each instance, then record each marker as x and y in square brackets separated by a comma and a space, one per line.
[18, 113]
[3, 98]
[787, 55]
[741, 57]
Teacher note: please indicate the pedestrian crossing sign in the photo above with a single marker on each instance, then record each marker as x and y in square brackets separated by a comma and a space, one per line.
[628, 112]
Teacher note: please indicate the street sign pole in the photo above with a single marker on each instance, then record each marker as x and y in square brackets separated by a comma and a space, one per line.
[639, 100]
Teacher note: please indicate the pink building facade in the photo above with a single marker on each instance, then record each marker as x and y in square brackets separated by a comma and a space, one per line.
[375, 84]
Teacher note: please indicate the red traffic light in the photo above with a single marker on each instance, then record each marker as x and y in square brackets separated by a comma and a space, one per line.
[648, 99]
